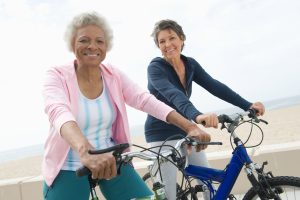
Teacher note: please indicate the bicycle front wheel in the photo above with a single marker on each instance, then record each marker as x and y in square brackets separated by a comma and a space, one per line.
[285, 187]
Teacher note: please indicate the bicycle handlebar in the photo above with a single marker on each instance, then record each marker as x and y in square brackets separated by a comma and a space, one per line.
[118, 149]
[234, 120]
[128, 156]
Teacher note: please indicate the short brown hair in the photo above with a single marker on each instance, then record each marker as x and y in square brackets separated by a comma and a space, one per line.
[167, 24]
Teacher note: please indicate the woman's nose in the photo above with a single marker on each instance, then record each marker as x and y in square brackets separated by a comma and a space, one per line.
[92, 45]
[167, 43]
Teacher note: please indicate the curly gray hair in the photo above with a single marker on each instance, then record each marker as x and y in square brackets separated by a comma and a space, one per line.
[85, 19]
[166, 24]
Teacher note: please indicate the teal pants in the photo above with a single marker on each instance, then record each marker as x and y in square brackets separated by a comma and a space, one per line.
[126, 186]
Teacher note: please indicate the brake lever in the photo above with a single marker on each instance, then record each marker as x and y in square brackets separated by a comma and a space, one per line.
[264, 121]
[195, 142]
[118, 156]
[223, 125]
[252, 115]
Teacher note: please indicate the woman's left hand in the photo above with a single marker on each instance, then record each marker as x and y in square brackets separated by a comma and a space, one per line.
[208, 120]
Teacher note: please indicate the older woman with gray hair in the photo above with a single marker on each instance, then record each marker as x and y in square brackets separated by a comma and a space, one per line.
[85, 103]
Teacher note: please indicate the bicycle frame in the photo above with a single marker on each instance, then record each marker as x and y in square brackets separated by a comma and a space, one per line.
[226, 177]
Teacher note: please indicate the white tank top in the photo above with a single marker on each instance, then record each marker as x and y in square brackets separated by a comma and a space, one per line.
[95, 118]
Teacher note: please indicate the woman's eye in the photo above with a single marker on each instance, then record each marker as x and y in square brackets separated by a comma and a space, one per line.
[83, 41]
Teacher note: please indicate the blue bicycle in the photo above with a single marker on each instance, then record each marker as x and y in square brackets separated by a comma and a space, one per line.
[264, 184]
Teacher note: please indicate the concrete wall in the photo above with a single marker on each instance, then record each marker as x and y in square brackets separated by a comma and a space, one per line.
[25, 188]
[283, 159]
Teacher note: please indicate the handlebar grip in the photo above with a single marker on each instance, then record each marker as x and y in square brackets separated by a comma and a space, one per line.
[117, 150]
[252, 112]
[82, 171]
[203, 123]
[222, 118]
[194, 142]
[205, 143]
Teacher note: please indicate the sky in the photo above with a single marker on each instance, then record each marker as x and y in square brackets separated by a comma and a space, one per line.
[251, 45]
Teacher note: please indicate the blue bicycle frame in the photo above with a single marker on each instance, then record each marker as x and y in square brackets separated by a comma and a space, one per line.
[226, 177]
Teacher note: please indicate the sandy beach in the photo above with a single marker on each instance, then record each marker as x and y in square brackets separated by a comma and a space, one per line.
[284, 126]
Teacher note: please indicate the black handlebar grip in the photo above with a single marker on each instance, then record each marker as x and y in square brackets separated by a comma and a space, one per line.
[193, 141]
[222, 118]
[116, 148]
[82, 171]
[203, 123]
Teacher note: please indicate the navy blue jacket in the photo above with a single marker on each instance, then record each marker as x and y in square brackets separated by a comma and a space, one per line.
[164, 84]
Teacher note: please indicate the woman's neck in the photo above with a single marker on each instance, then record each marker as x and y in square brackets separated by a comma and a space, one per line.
[175, 62]
[88, 73]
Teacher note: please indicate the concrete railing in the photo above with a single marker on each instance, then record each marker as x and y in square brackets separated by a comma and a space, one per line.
[283, 159]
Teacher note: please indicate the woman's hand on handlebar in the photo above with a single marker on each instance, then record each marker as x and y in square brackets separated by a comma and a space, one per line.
[102, 166]
[259, 107]
[200, 135]
[208, 120]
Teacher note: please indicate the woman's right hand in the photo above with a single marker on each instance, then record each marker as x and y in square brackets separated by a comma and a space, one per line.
[259, 107]
[208, 120]
[200, 135]
[102, 166]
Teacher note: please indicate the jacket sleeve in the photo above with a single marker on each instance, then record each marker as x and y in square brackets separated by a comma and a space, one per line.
[56, 99]
[218, 89]
[141, 99]
[158, 78]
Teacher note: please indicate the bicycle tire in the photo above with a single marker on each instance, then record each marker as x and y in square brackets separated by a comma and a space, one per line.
[147, 179]
[290, 187]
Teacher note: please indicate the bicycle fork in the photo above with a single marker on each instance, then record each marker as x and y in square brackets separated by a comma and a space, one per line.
[93, 184]
[261, 184]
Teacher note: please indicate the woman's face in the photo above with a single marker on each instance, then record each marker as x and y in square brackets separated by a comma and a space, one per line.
[169, 43]
[89, 45]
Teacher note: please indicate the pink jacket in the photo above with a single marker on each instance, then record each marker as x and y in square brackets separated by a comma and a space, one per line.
[60, 95]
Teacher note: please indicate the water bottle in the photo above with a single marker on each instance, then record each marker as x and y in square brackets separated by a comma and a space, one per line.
[159, 191]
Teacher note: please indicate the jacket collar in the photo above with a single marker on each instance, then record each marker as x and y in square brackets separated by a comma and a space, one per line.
[69, 69]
